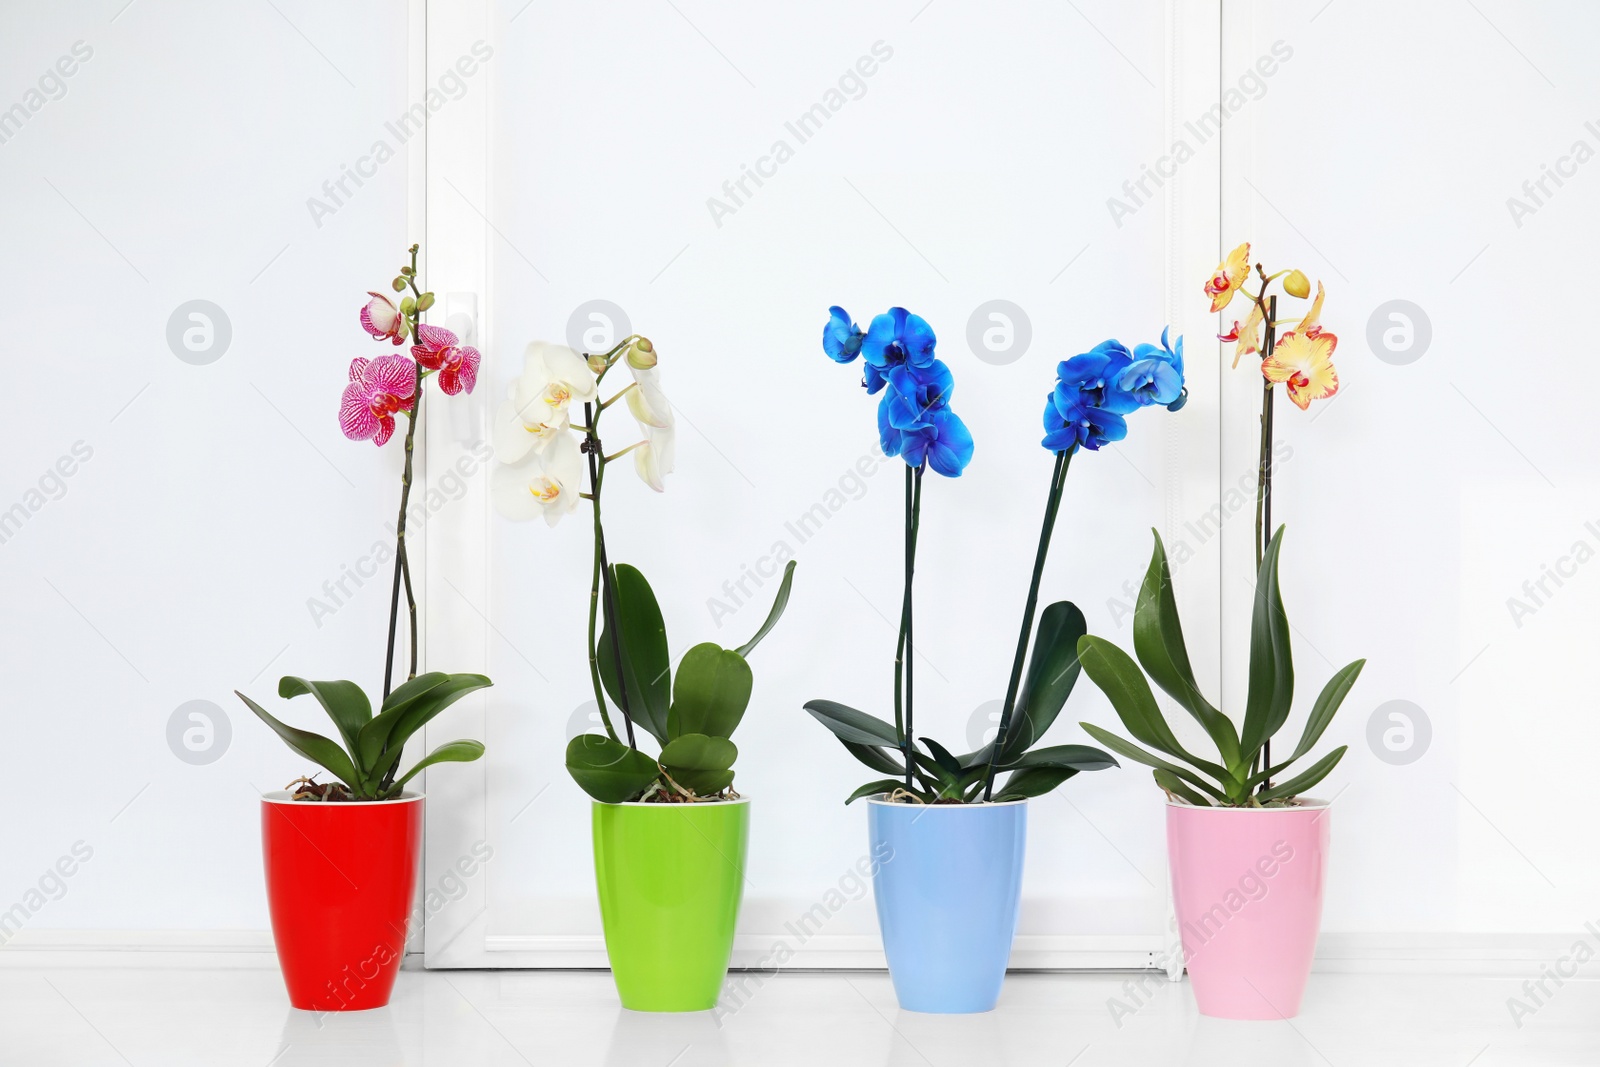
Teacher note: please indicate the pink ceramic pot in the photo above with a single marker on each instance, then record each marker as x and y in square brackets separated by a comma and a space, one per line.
[1247, 886]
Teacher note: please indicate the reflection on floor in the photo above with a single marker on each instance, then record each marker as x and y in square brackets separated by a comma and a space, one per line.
[174, 1018]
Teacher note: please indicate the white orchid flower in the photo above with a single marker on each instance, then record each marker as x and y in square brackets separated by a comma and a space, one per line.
[656, 456]
[547, 483]
[649, 405]
[537, 410]
[654, 459]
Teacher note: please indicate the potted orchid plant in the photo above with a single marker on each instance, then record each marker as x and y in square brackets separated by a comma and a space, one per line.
[341, 855]
[1235, 822]
[948, 939]
[672, 819]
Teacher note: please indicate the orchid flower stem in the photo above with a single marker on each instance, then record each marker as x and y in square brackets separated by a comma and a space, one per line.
[625, 451]
[402, 561]
[630, 387]
[916, 524]
[611, 355]
[1052, 506]
[1264, 483]
[900, 640]
[1264, 466]
[601, 582]
[903, 650]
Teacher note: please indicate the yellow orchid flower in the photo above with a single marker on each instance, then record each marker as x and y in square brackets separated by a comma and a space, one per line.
[1247, 337]
[1230, 275]
[1303, 362]
[1311, 325]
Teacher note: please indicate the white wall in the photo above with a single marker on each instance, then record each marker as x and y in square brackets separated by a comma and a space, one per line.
[177, 564]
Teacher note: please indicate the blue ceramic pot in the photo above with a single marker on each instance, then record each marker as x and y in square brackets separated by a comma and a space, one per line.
[947, 887]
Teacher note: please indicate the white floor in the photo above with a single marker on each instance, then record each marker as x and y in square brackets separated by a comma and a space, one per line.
[221, 1018]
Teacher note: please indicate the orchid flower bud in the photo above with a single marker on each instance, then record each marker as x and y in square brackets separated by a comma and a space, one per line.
[383, 320]
[1297, 285]
[642, 354]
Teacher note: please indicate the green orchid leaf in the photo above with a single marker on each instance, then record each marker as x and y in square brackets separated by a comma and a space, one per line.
[1327, 704]
[710, 693]
[450, 752]
[1271, 660]
[608, 770]
[1033, 782]
[1052, 672]
[409, 708]
[318, 749]
[978, 758]
[373, 739]
[647, 668]
[882, 786]
[698, 752]
[1322, 713]
[1158, 642]
[1169, 781]
[410, 690]
[971, 780]
[942, 757]
[1300, 783]
[779, 603]
[344, 702]
[853, 726]
[936, 779]
[1123, 683]
[1075, 757]
[877, 757]
[1139, 755]
[381, 769]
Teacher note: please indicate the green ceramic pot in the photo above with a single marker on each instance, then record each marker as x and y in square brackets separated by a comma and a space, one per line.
[670, 877]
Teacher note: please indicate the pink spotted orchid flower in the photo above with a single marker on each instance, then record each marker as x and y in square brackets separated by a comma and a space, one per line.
[383, 320]
[378, 388]
[439, 349]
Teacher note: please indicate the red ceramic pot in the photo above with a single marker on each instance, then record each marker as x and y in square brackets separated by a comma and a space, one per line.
[339, 883]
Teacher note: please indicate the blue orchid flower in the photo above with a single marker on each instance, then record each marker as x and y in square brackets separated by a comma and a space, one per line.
[872, 379]
[1070, 422]
[897, 337]
[1096, 389]
[1156, 375]
[891, 440]
[1175, 357]
[916, 393]
[945, 445]
[914, 417]
[1151, 381]
[841, 338]
[1097, 374]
